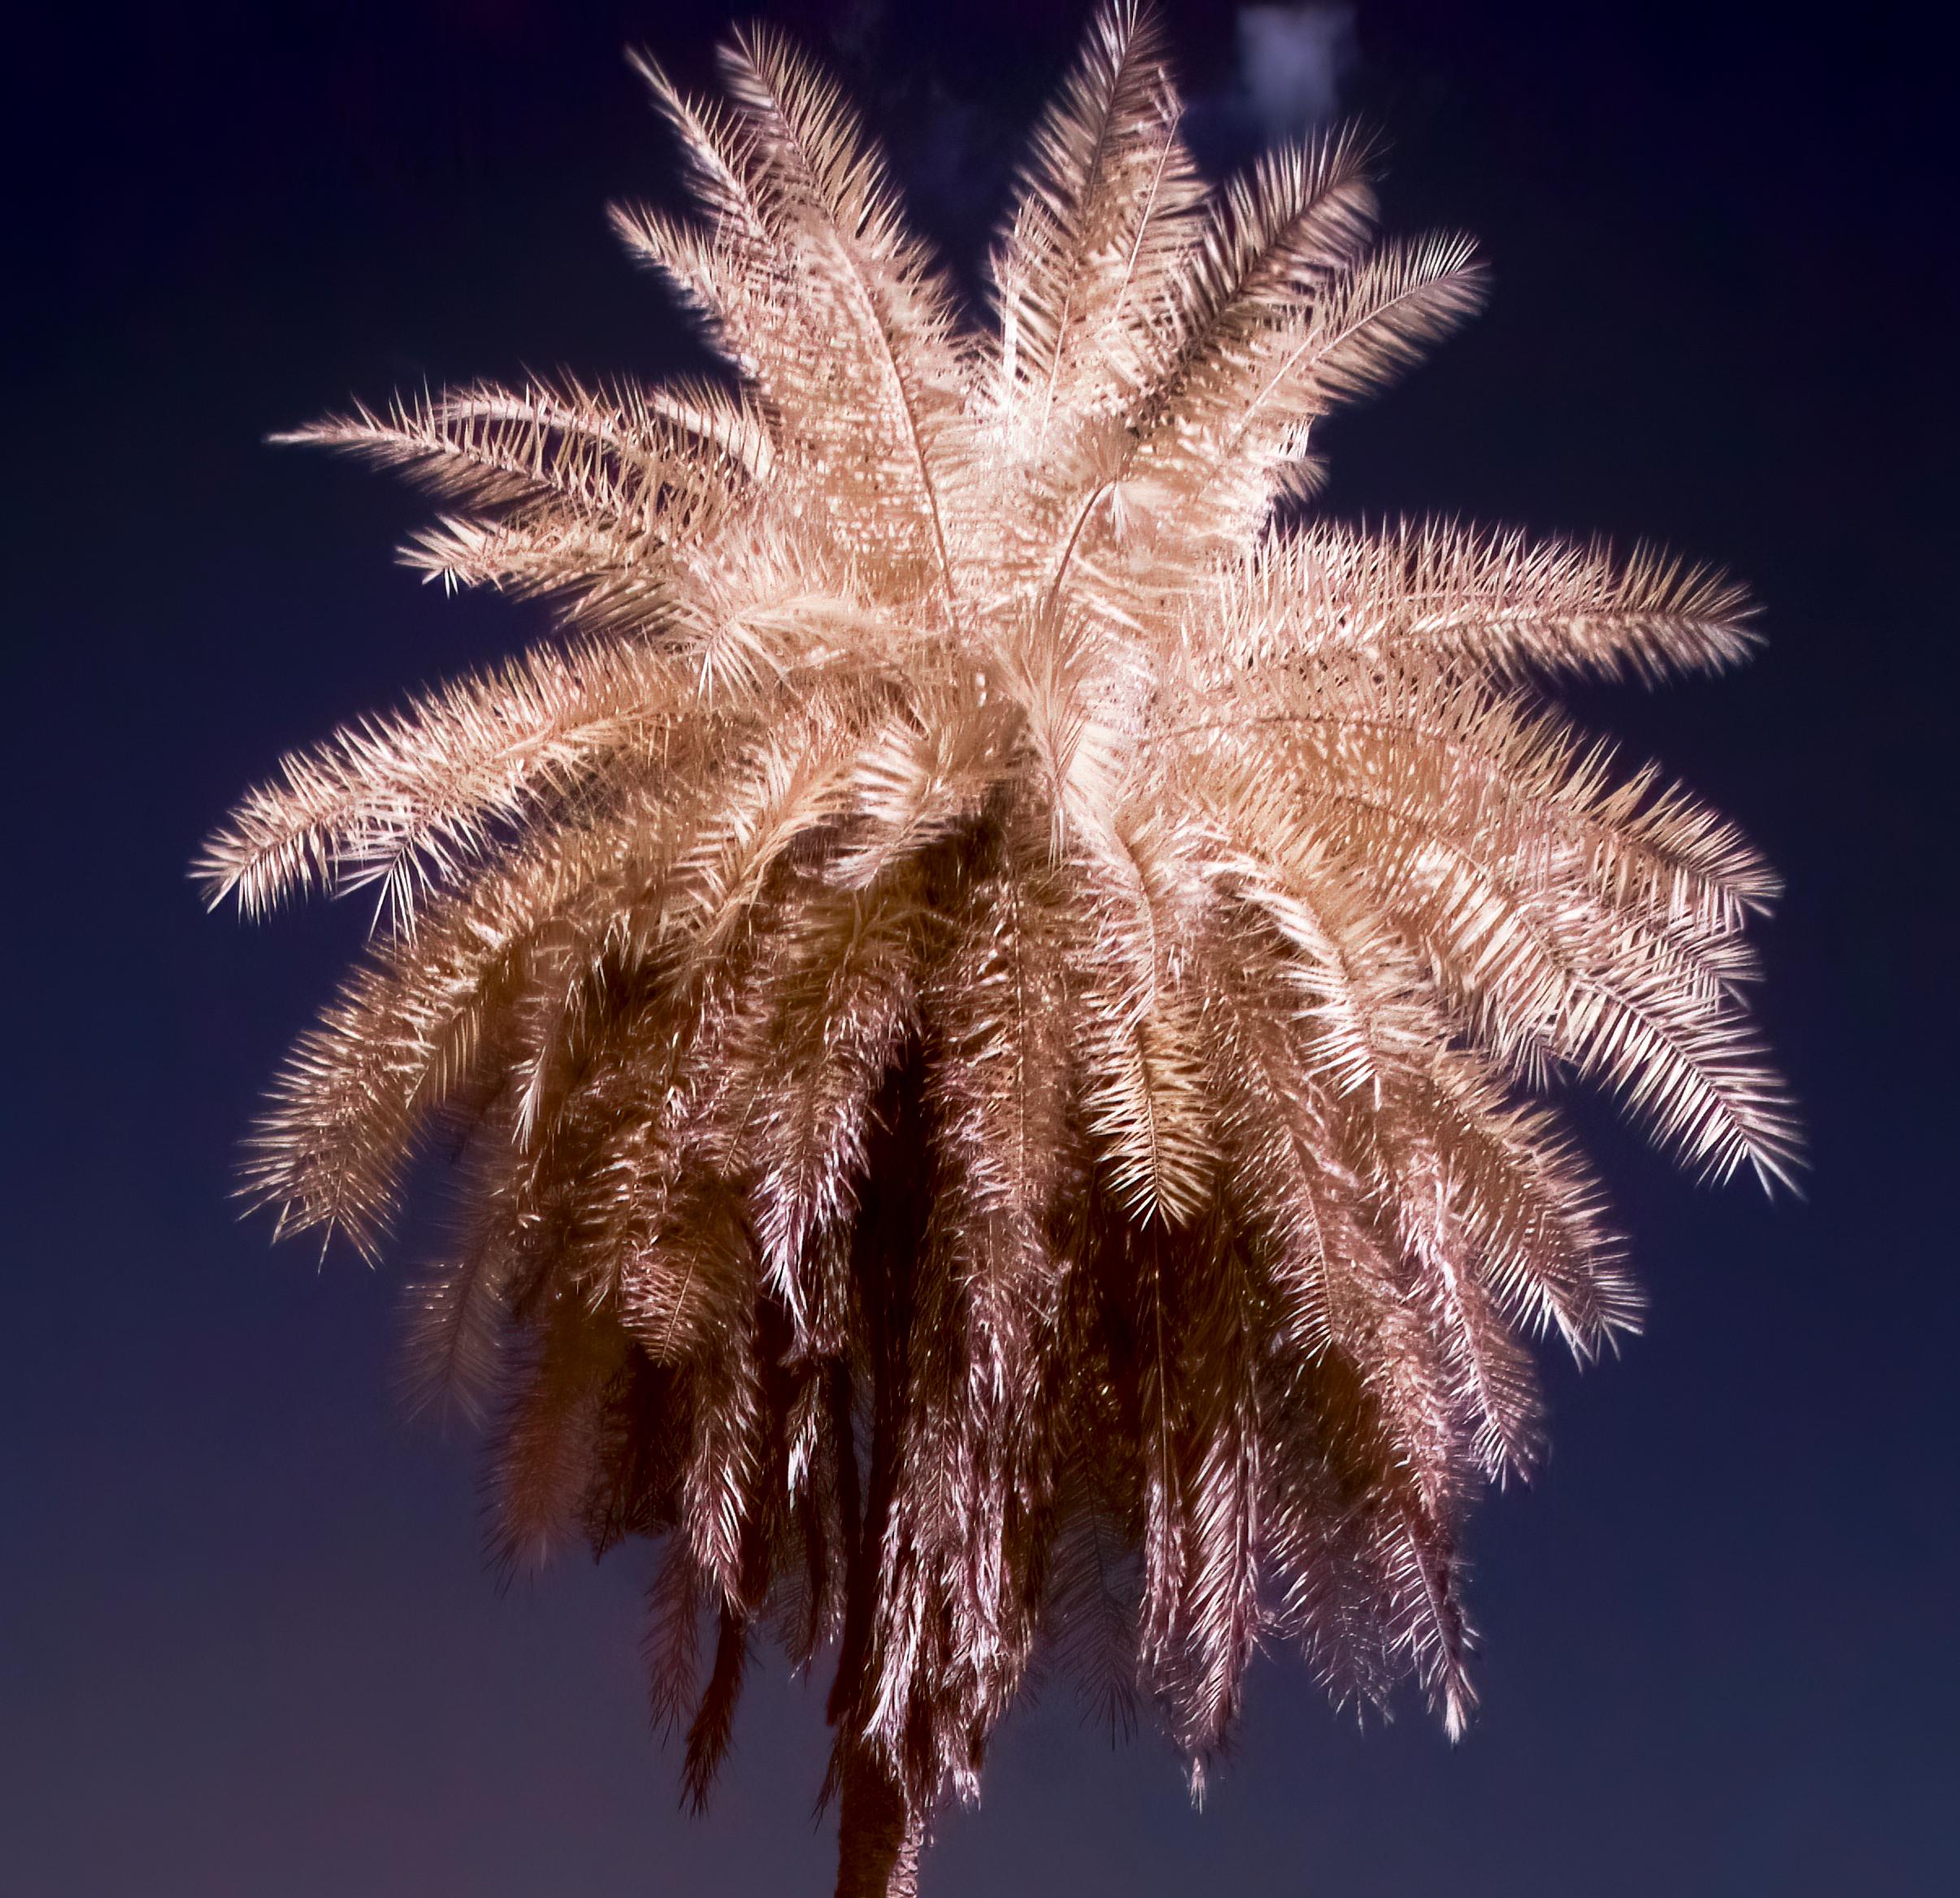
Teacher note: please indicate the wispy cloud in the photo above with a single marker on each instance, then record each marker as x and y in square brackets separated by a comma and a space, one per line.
[1292, 60]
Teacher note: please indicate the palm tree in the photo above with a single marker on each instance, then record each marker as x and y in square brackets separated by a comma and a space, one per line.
[989, 989]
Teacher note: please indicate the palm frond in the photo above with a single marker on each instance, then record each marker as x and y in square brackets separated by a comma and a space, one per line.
[1483, 600]
[409, 801]
[1104, 214]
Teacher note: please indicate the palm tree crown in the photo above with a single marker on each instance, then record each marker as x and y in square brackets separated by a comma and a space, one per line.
[988, 987]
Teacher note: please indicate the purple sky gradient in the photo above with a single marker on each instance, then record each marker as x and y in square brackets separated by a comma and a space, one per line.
[249, 1648]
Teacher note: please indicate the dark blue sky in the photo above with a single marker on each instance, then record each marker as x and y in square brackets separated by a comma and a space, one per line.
[248, 1645]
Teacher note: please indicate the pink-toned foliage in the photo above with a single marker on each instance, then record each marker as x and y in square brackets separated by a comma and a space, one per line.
[990, 987]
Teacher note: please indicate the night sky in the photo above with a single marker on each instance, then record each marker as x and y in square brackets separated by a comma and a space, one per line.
[248, 1644]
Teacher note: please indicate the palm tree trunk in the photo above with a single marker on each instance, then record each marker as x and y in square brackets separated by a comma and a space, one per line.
[878, 1839]
[879, 1834]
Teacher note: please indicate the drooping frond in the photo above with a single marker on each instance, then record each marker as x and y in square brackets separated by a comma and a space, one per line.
[990, 991]
[403, 801]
